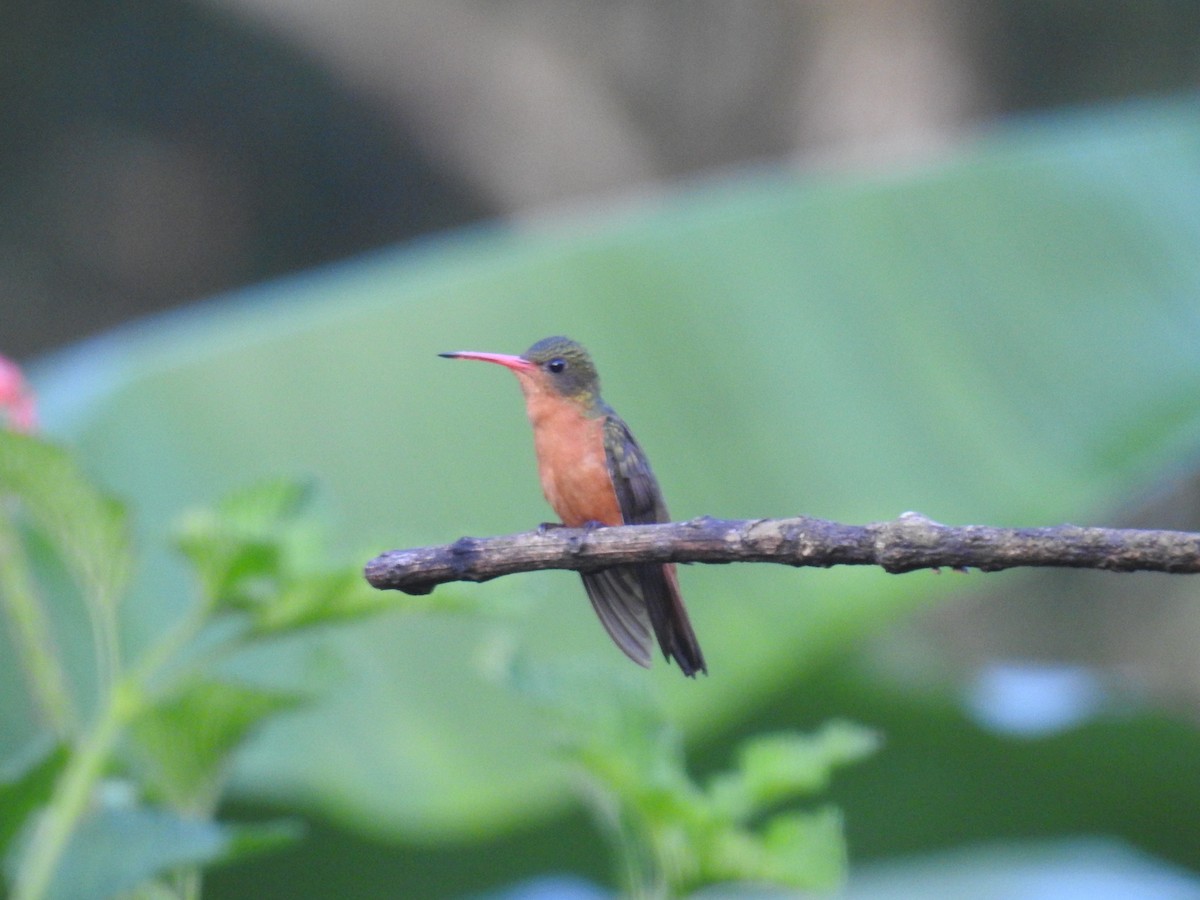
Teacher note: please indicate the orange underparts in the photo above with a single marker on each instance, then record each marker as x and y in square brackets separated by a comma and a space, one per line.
[572, 464]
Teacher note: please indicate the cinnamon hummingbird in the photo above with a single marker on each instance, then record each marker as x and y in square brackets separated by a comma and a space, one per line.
[594, 473]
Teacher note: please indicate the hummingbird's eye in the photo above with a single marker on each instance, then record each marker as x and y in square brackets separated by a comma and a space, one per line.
[556, 365]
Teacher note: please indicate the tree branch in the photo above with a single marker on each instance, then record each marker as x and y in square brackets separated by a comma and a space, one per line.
[910, 542]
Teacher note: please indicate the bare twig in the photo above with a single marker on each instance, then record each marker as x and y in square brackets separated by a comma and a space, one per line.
[910, 542]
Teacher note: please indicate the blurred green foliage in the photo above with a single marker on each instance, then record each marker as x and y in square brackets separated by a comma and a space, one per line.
[72, 822]
[672, 834]
[124, 804]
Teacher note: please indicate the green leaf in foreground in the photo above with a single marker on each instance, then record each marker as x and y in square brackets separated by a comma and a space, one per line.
[239, 547]
[26, 790]
[795, 850]
[775, 768]
[48, 503]
[89, 529]
[673, 834]
[118, 849]
[253, 554]
[185, 743]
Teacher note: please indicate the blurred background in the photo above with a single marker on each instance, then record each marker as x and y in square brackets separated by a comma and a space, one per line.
[159, 152]
[912, 254]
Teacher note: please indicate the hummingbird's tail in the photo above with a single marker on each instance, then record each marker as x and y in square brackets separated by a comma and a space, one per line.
[632, 600]
[672, 625]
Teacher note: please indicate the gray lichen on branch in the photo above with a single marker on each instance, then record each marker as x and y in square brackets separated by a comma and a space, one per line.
[904, 544]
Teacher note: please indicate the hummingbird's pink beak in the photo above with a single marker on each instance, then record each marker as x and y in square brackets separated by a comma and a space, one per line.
[516, 363]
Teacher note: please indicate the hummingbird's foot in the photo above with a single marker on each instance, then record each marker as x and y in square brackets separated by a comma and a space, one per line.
[589, 525]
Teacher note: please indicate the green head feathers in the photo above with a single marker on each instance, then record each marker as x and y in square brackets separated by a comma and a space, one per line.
[567, 366]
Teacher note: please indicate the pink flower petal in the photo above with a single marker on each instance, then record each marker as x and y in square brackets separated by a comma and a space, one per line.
[16, 398]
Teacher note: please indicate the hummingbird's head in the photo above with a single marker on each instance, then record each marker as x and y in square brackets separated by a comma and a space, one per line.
[565, 367]
[554, 366]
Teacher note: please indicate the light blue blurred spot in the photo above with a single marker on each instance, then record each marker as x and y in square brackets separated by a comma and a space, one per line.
[1032, 699]
[551, 887]
[1084, 869]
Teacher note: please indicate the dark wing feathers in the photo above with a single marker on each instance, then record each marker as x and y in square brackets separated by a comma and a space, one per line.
[637, 490]
[619, 605]
[632, 600]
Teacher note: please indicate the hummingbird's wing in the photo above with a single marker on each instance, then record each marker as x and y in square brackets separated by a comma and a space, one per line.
[617, 599]
[637, 490]
[629, 598]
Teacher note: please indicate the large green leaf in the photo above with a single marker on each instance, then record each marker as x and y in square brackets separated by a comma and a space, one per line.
[118, 849]
[1006, 338]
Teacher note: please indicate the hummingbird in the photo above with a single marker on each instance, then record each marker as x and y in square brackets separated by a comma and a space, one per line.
[593, 472]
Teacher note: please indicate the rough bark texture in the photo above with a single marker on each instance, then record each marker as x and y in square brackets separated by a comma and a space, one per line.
[909, 542]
